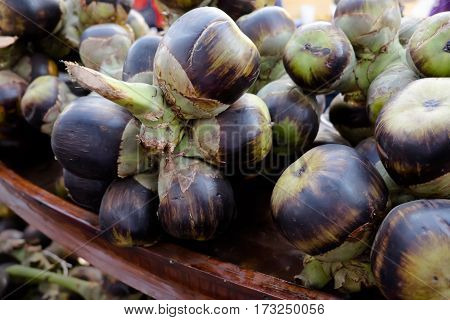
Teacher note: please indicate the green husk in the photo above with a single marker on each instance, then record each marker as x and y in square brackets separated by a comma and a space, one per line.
[162, 130]
[11, 50]
[368, 69]
[71, 30]
[407, 28]
[272, 69]
[98, 12]
[350, 276]
[106, 54]
[353, 247]
[386, 85]
[370, 25]
[137, 22]
[133, 158]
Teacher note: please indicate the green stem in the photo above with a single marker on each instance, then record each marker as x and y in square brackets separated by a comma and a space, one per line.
[146, 102]
[86, 289]
[351, 276]
[187, 148]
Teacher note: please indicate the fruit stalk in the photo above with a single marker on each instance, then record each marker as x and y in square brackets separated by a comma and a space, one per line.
[87, 290]
[162, 129]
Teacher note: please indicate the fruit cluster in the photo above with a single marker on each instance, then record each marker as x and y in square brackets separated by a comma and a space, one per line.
[232, 88]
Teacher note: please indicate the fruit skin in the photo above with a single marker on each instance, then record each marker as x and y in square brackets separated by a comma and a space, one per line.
[196, 202]
[407, 28]
[43, 17]
[76, 89]
[104, 48]
[240, 137]
[200, 74]
[328, 203]
[270, 29]
[138, 66]
[319, 58]
[128, 213]
[412, 133]
[87, 137]
[87, 193]
[348, 114]
[34, 66]
[411, 252]
[295, 120]
[43, 101]
[428, 50]
[370, 25]
[237, 8]
[12, 88]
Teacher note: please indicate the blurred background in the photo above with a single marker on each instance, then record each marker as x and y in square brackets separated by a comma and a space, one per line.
[311, 10]
[305, 11]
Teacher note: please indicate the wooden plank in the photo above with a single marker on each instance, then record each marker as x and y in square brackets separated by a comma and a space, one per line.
[164, 271]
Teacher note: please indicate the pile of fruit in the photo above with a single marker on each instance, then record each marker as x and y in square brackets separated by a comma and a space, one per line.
[231, 88]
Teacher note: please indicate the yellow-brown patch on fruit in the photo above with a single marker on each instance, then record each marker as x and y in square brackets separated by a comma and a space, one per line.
[439, 187]
[423, 263]
[122, 239]
[220, 55]
[179, 90]
[52, 68]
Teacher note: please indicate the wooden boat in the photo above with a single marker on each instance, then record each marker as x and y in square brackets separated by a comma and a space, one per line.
[250, 262]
